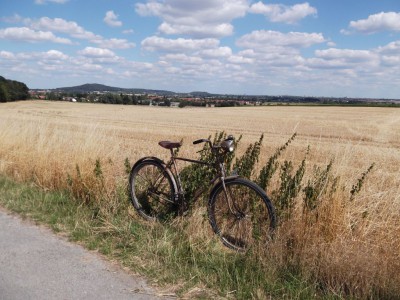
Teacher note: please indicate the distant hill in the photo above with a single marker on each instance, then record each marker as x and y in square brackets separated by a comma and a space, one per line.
[201, 94]
[95, 87]
[88, 87]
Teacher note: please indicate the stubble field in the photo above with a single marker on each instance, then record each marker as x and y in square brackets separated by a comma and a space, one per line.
[54, 133]
[45, 141]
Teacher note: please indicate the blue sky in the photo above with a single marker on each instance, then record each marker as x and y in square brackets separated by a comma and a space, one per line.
[316, 48]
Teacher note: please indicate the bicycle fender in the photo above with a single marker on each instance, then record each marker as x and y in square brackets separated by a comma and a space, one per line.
[231, 177]
[158, 161]
[149, 158]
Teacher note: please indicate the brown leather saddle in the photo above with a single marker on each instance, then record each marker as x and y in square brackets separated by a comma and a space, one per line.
[169, 145]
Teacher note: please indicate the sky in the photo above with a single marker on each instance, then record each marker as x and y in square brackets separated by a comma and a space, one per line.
[339, 48]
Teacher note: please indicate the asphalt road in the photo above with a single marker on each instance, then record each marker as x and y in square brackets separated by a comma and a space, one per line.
[36, 264]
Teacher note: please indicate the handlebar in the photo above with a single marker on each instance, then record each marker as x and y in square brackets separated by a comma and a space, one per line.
[227, 144]
[228, 138]
[201, 141]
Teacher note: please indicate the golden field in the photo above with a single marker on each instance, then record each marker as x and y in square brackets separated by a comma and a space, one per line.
[43, 141]
[70, 133]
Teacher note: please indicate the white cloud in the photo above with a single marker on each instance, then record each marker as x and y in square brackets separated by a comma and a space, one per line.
[91, 67]
[60, 25]
[74, 30]
[350, 59]
[392, 48]
[182, 58]
[54, 1]
[389, 21]
[238, 59]
[55, 55]
[128, 31]
[14, 19]
[97, 52]
[264, 40]
[195, 18]
[154, 43]
[26, 34]
[391, 60]
[7, 55]
[331, 44]
[390, 54]
[212, 30]
[220, 52]
[51, 60]
[114, 43]
[284, 13]
[111, 19]
[347, 54]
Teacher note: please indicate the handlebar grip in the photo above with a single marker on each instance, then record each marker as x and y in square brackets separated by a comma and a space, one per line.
[199, 141]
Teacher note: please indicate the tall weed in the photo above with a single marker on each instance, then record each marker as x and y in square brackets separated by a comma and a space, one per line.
[311, 211]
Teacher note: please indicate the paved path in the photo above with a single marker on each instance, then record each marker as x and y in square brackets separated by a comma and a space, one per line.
[36, 264]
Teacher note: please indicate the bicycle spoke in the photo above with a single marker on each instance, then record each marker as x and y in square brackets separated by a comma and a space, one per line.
[165, 198]
[152, 191]
[240, 215]
[144, 179]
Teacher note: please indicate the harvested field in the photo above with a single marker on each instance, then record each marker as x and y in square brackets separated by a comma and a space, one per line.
[355, 137]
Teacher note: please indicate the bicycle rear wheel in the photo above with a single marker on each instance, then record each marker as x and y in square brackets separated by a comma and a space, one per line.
[243, 216]
[152, 191]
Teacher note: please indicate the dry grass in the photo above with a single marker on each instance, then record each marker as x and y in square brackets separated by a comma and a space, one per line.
[354, 247]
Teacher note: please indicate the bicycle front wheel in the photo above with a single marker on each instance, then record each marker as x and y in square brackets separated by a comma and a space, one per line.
[152, 191]
[241, 214]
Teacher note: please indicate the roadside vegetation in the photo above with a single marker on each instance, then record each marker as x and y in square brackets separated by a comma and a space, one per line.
[338, 234]
[167, 254]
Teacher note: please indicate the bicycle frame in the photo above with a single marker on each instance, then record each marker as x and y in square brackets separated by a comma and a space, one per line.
[220, 176]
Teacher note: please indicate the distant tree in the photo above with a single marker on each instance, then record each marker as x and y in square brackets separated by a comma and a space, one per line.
[117, 99]
[111, 98]
[52, 96]
[183, 104]
[3, 92]
[11, 90]
[126, 100]
[81, 95]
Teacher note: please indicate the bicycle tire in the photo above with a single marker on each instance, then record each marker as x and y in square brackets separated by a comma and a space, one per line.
[153, 190]
[249, 219]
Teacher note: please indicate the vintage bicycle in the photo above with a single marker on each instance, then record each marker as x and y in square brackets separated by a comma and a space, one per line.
[239, 211]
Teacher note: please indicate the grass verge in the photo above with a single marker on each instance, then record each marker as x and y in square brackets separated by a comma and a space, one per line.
[163, 253]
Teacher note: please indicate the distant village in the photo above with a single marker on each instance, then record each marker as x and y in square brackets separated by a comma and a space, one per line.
[144, 98]
[87, 94]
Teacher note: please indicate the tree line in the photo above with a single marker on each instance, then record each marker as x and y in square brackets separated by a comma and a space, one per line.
[11, 90]
[107, 98]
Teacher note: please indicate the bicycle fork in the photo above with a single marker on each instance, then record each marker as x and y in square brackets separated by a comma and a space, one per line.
[228, 196]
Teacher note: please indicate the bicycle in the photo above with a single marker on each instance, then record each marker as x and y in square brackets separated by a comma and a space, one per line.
[239, 211]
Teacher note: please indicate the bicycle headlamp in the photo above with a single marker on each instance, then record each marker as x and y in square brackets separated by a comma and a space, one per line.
[228, 145]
